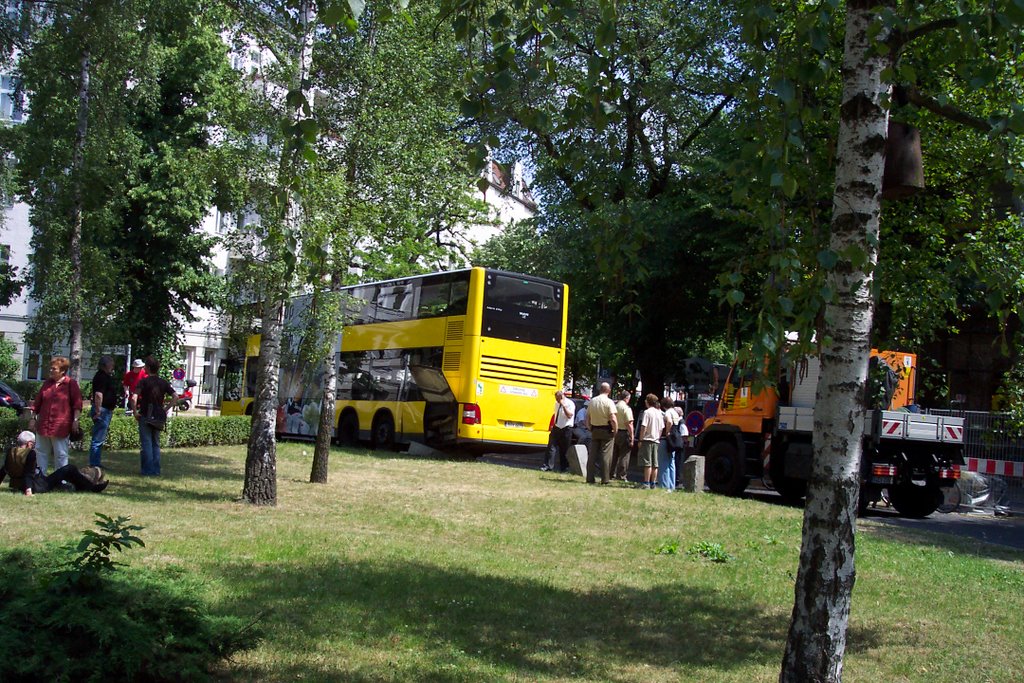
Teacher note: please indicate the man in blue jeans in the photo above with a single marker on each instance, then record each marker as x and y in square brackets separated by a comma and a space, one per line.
[104, 398]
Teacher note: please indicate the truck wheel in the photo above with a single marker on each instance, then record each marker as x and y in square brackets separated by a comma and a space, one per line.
[791, 489]
[724, 470]
[384, 433]
[915, 501]
[348, 430]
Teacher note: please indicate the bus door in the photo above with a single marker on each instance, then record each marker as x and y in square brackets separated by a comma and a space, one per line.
[439, 418]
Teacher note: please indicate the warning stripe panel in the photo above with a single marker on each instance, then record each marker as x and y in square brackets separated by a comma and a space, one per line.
[892, 428]
[954, 433]
[1002, 468]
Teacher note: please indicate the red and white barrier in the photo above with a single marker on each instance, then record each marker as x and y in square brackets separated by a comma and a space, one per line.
[1002, 468]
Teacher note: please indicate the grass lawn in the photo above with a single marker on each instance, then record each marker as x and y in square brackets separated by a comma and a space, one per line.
[406, 568]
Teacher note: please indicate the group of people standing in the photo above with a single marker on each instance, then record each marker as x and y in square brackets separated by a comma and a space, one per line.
[662, 436]
[58, 405]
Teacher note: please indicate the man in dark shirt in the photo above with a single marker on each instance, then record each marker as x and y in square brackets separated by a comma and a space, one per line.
[104, 398]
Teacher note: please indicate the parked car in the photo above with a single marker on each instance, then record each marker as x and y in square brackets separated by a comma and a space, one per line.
[9, 398]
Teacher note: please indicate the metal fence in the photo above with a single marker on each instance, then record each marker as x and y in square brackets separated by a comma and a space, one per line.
[996, 457]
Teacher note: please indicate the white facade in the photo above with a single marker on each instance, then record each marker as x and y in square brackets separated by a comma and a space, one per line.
[509, 199]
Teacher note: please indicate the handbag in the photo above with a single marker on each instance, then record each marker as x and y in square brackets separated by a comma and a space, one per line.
[76, 431]
[675, 438]
[156, 416]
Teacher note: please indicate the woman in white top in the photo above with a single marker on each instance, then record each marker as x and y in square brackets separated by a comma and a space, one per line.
[666, 454]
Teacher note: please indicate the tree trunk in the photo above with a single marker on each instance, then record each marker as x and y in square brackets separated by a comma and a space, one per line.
[260, 487]
[322, 451]
[75, 246]
[652, 375]
[817, 632]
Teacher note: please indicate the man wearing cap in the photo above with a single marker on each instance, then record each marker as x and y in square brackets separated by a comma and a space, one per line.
[602, 420]
[131, 380]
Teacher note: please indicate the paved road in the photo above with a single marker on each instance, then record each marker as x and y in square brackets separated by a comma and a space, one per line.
[1005, 531]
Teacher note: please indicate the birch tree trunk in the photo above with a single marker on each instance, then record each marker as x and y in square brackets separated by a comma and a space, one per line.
[260, 485]
[821, 609]
[322, 450]
[75, 246]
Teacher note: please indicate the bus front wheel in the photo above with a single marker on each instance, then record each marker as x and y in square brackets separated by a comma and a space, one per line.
[348, 430]
[384, 433]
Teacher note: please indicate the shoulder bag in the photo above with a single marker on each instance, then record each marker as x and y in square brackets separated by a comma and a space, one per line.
[156, 416]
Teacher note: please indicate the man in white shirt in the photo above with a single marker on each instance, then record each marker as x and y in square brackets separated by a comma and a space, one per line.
[652, 428]
[561, 433]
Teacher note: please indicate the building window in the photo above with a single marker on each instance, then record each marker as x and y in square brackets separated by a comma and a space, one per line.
[34, 365]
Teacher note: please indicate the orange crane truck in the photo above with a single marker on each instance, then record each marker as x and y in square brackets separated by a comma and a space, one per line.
[755, 433]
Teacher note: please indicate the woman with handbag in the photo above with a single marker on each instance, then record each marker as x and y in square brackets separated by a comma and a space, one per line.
[151, 414]
[57, 407]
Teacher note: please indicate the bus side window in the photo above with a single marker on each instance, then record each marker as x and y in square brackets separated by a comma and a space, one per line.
[252, 371]
[460, 295]
[348, 366]
[232, 380]
[361, 306]
[432, 300]
[394, 302]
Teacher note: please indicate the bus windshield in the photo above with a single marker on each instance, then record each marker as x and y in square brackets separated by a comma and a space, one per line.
[522, 309]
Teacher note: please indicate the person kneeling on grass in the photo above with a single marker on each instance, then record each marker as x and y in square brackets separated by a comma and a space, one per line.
[20, 465]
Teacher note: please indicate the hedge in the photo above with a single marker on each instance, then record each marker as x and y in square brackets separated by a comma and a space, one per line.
[183, 432]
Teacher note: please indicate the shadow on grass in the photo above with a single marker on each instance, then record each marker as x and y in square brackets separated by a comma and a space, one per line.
[179, 471]
[510, 628]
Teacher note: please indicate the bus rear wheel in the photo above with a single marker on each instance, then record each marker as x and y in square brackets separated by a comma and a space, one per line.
[384, 433]
[348, 430]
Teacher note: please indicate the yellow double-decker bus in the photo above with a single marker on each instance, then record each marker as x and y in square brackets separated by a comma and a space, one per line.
[467, 358]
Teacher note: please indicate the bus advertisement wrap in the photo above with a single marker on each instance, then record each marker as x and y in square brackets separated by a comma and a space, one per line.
[467, 358]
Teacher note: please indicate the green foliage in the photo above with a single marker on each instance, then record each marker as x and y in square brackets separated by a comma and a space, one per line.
[627, 115]
[668, 548]
[1012, 394]
[181, 432]
[956, 76]
[27, 388]
[160, 88]
[93, 551]
[77, 619]
[10, 367]
[709, 551]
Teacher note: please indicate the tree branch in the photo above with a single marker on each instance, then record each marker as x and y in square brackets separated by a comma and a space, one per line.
[919, 99]
[899, 39]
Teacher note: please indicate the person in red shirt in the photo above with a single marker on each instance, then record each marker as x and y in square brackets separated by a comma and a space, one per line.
[58, 404]
[131, 380]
